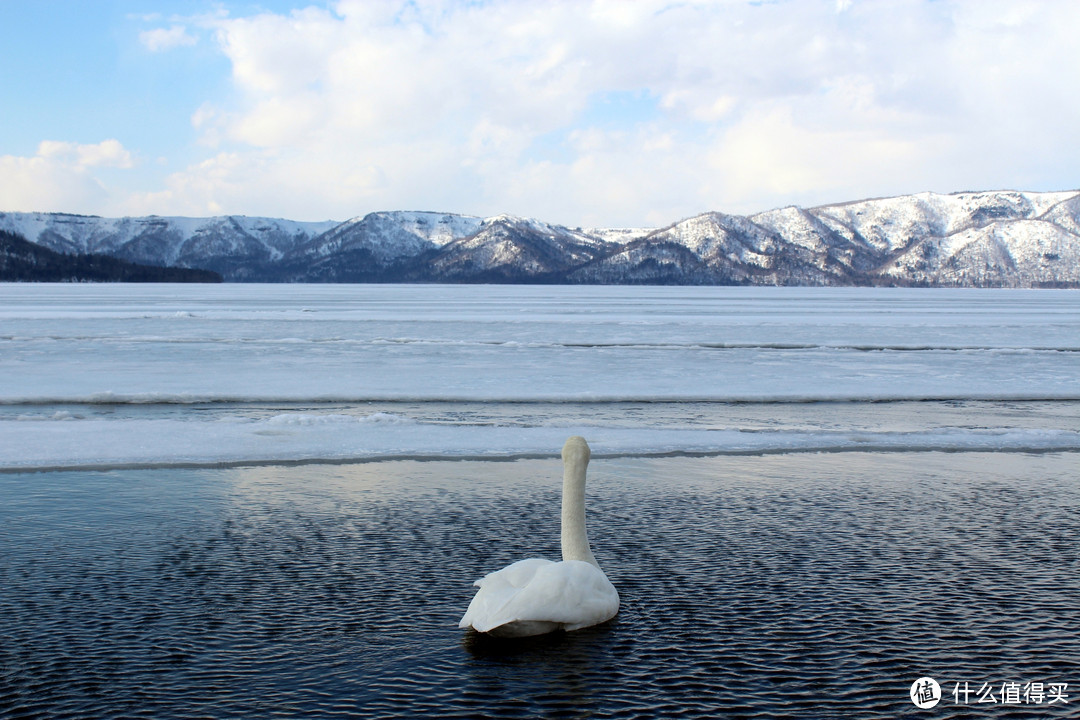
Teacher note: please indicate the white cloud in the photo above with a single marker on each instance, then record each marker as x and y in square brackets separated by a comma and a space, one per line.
[161, 39]
[59, 176]
[771, 155]
[107, 153]
[434, 104]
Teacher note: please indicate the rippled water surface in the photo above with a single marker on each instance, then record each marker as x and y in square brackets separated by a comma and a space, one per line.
[813, 585]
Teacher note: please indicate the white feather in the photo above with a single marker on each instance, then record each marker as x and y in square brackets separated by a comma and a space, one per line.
[536, 596]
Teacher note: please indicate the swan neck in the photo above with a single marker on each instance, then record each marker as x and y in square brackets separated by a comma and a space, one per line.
[575, 537]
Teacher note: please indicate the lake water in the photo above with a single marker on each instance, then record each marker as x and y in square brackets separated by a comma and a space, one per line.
[245, 501]
[799, 585]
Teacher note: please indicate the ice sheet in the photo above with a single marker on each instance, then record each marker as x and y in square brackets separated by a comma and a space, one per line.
[72, 356]
[65, 442]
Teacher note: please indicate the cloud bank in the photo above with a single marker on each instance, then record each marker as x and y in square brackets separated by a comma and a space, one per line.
[614, 113]
[63, 173]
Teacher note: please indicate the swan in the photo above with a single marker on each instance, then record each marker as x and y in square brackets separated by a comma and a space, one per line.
[535, 596]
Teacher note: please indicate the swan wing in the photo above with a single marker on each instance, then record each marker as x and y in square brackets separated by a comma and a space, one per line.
[570, 595]
[573, 593]
[492, 604]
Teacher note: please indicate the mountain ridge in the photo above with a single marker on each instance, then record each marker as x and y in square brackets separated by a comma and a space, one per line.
[24, 261]
[1003, 238]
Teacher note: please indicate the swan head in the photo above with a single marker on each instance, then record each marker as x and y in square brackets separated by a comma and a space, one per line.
[576, 450]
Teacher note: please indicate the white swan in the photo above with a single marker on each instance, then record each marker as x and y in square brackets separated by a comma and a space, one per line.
[535, 596]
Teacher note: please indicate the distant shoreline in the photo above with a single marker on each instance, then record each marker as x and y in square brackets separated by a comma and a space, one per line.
[973, 239]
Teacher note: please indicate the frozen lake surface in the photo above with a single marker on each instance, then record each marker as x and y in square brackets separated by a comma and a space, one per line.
[135, 375]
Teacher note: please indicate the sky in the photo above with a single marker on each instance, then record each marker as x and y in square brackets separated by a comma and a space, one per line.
[615, 113]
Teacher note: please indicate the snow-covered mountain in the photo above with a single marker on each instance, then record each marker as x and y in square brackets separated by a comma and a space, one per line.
[365, 248]
[988, 239]
[237, 247]
[992, 239]
[507, 248]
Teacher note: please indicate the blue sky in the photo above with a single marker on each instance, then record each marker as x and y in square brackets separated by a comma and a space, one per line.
[78, 72]
[599, 112]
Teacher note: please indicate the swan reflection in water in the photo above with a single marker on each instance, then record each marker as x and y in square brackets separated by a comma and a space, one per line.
[556, 672]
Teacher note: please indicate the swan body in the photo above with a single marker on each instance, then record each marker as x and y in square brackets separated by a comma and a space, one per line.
[536, 596]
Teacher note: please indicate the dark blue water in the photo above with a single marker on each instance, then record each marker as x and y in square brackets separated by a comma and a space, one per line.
[778, 586]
